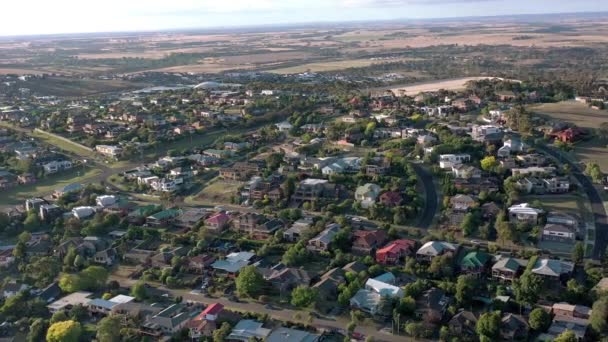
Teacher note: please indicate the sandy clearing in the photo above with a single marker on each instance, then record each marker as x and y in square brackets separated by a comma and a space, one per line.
[452, 84]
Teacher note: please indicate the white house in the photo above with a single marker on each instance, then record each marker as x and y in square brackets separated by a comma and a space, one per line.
[367, 194]
[447, 161]
[83, 212]
[368, 299]
[56, 166]
[109, 150]
[284, 126]
[105, 200]
[523, 213]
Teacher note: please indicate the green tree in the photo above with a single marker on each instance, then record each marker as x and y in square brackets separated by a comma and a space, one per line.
[31, 222]
[219, 335]
[528, 287]
[539, 320]
[489, 163]
[139, 291]
[37, 330]
[599, 315]
[59, 316]
[94, 277]
[465, 288]
[303, 296]
[578, 252]
[488, 325]
[249, 282]
[70, 283]
[407, 305]
[107, 329]
[566, 336]
[66, 331]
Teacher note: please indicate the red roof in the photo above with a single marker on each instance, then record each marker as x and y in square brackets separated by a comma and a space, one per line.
[369, 237]
[397, 245]
[219, 219]
[390, 197]
[212, 309]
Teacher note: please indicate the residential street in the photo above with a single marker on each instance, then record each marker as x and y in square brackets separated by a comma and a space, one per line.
[431, 205]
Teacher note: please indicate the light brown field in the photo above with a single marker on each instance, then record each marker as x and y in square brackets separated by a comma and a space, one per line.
[573, 112]
[17, 71]
[452, 84]
[336, 65]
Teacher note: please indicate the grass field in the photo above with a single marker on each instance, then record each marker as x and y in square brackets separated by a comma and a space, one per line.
[566, 202]
[64, 145]
[571, 111]
[452, 84]
[216, 192]
[197, 140]
[46, 186]
[331, 66]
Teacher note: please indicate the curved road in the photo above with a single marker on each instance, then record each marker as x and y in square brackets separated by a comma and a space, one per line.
[431, 204]
[597, 204]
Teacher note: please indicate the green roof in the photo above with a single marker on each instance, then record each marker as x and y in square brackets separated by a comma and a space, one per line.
[144, 210]
[474, 260]
[165, 214]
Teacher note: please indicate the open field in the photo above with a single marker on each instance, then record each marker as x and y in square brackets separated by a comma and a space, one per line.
[453, 84]
[45, 186]
[62, 144]
[566, 202]
[217, 192]
[332, 65]
[573, 112]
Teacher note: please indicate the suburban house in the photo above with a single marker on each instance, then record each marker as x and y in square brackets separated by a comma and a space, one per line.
[168, 321]
[475, 262]
[368, 299]
[432, 304]
[282, 334]
[327, 286]
[246, 330]
[395, 251]
[205, 323]
[285, 279]
[367, 194]
[447, 161]
[508, 268]
[109, 150]
[200, 263]
[233, 263]
[466, 171]
[524, 213]
[433, 249]
[297, 229]
[391, 199]
[463, 324]
[513, 328]
[365, 241]
[462, 202]
[217, 222]
[558, 233]
[553, 269]
[321, 242]
[312, 189]
[56, 166]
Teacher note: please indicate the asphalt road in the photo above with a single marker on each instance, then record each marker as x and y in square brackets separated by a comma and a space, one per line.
[431, 204]
[597, 204]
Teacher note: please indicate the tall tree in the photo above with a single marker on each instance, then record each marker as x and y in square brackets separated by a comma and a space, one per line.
[66, 331]
[249, 282]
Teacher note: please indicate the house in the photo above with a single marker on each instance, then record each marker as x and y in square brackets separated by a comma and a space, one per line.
[475, 262]
[489, 210]
[561, 324]
[508, 268]
[246, 330]
[327, 286]
[568, 135]
[368, 299]
[553, 269]
[104, 307]
[462, 202]
[57, 166]
[558, 233]
[391, 199]
[284, 126]
[571, 311]
[342, 165]
[109, 150]
[321, 242]
[513, 328]
[105, 257]
[432, 305]
[68, 189]
[432, 249]
[257, 226]
[104, 201]
[282, 334]
[217, 222]
[395, 251]
[12, 288]
[33, 204]
[205, 323]
[557, 185]
[556, 217]
[312, 189]
[49, 212]
[447, 161]
[190, 218]
[465, 171]
[286, 279]
[463, 324]
[69, 301]
[365, 241]
[162, 218]
[83, 212]
[198, 264]
[533, 171]
[354, 267]
[233, 262]
[426, 140]
[297, 229]
[367, 194]
[523, 213]
[168, 321]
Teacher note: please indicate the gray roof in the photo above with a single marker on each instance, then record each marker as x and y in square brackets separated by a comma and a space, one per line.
[552, 267]
[291, 335]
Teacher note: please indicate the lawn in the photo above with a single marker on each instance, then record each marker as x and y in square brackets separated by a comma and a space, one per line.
[188, 142]
[47, 185]
[566, 202]
[216, 192]
[62, 144]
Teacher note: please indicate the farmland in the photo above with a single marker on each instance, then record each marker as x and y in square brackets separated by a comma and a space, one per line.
[573, 112]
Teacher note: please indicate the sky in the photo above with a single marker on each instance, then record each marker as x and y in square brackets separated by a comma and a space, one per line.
[26, 17]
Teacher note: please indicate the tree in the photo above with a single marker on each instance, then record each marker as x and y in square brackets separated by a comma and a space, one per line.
[32, 221]
[578, 252]
[465, 288]
[66, 331]
[139, 291]
[219, 335]
[41, 271]
[488, 325]
[527, 287]
[70, 283]
[37, 330]
[59, 316]
[94, 277]
[489, 163]
[566, 336]
[469, 224]
[599, 315]
[303, 296]
[407, 305]
[539, 319]
[594, 171]
[249, 282]
[107, 329]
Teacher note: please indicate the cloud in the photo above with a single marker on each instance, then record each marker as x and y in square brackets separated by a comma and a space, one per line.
[396, 3]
